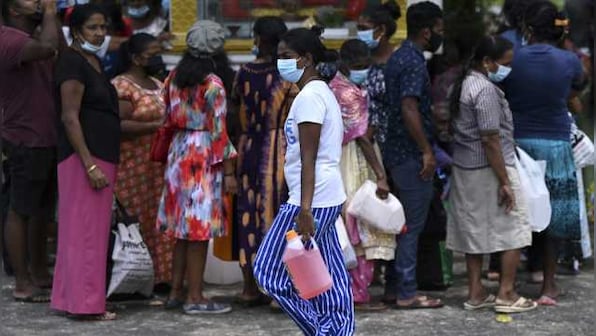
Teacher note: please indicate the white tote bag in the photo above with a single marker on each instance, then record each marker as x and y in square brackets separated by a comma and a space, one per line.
[385, 215]
[583, 149]
[532, 179]
[344, 241]
[133, 267]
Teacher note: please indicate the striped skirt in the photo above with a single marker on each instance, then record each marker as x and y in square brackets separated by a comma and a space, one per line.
[561, 181]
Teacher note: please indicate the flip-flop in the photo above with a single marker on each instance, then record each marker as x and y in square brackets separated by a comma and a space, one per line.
[390, 301]
[373, 306]
[488, 302]
[521, 305]
[422, 302]
[209, 307]
[548, 301]
[107, 316]
[39, 296]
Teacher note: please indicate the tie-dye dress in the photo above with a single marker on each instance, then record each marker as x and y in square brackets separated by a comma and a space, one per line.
[191, 206]
[264, 100]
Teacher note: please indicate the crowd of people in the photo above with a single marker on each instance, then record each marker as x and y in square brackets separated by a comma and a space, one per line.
[284, 143]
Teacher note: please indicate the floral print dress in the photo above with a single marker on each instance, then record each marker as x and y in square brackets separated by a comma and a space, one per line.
[140, 181]
[191, 206]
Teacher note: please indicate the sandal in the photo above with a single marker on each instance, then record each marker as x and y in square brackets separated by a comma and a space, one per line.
[377, 306]
[107, 316]
[488, 302]
[422, 302]
[209, 307]
[174, 303]
[38, 296]
[520, 306]
[547, 300]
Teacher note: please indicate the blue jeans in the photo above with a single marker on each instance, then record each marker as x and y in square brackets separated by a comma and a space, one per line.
[415, 195]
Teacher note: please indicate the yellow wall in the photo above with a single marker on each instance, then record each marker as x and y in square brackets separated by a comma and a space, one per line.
[184, 14]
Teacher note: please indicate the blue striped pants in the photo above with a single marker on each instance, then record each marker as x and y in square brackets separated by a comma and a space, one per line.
[331, 313]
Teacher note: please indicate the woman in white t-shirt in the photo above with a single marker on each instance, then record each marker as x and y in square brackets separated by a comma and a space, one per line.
[314, 134]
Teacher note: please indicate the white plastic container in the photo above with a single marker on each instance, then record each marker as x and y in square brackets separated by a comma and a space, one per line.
[385, 215]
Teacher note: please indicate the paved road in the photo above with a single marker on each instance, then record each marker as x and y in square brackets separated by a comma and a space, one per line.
[573, 317]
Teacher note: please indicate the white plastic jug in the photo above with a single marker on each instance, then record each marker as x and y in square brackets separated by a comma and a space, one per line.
[385, 215]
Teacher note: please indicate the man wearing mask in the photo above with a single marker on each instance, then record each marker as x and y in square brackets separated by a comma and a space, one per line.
[29, 40]
[408, 152]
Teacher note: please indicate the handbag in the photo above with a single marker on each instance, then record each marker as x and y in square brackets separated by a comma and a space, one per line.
[385, 215]
[160, 144]
[534, 190]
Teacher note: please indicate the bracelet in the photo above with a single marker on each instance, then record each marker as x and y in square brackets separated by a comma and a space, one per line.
[92, 168]
[231, 174]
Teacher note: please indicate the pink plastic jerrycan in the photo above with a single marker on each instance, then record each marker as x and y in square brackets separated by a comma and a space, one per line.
[306, 267]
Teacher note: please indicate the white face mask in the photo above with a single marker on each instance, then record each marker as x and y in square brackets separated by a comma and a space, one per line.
[288, 69]
[90, 48]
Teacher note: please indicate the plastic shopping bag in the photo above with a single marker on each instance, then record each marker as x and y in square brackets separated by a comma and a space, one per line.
[346, 247]
[532, 174]
[583, 149]
[132, 270]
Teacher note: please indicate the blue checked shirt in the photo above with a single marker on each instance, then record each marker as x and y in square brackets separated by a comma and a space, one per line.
[406, 75]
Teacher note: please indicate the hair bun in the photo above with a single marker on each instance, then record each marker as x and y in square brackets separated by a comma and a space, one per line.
[392, 8]
[330, 56]
[318, 30]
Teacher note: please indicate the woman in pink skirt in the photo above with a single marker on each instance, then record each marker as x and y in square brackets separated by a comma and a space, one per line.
[88, 153]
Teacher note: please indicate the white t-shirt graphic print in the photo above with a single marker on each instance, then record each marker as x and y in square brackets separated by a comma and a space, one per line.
[316, 104]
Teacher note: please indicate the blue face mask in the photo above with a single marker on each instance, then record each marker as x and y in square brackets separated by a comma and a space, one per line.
[288, 69]
[138, 12]
[368, 37]
[358, 76]
[255, 50]
[500, 75]
[90, 48]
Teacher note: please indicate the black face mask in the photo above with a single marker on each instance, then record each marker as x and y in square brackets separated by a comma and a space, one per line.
[435, 41]
[155, 67]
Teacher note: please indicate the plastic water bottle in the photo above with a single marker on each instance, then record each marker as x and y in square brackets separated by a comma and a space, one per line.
[306, 267]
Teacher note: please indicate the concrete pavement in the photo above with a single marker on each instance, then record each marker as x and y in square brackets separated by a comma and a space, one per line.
[573, 317]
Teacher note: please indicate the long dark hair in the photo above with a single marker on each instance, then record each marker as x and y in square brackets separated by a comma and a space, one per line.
[136, 45]
[269, 29]
[303, 41]
[493, 47]
[385, 14]
[192, 70]
[540, 18]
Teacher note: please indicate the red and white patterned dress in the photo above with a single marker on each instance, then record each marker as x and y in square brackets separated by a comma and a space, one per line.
[191, 206]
